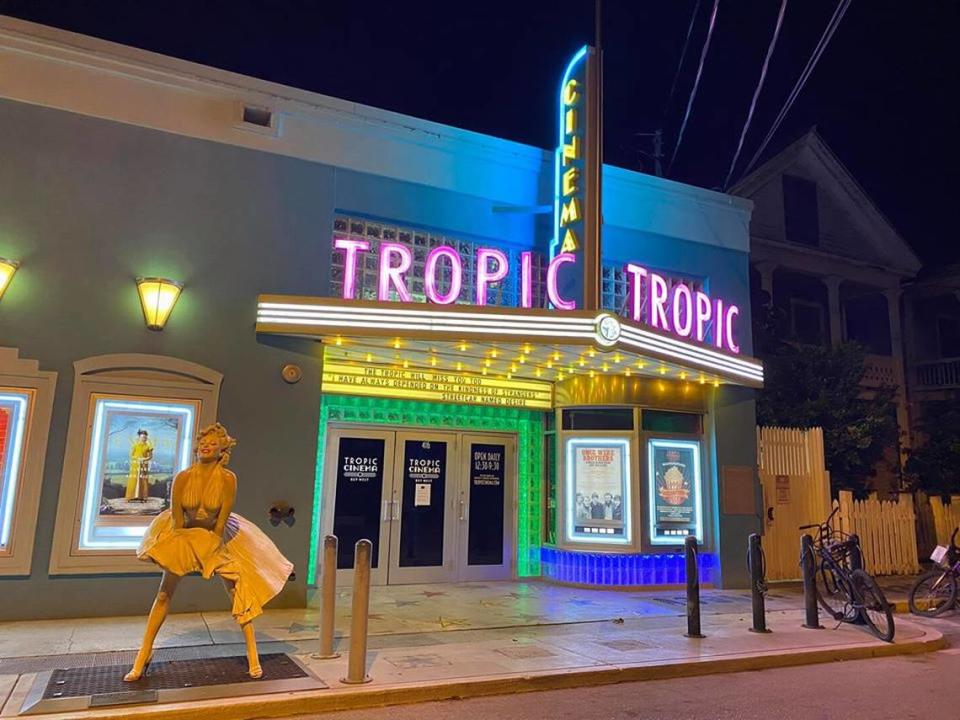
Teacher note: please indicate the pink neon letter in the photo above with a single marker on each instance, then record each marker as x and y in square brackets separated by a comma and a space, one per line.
[553, 293]
[390, 275]
[351, 248]
[718, 325]
[682, 310]
[636, 273]
[703, 312]
[484, 276]
[430, 275]
[526, 279]
[732, 312]
[656, 302]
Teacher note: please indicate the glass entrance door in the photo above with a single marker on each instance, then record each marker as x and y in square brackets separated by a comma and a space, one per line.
[437, 506]
[486, 507]
[358, 482]
[422, 537]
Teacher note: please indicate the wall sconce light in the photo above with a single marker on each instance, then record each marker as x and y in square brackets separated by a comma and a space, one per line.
[157, 297]
[7, 270]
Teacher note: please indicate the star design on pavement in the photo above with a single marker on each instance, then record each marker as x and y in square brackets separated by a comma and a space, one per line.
[430, 594]
[453, 622]
[296, 627]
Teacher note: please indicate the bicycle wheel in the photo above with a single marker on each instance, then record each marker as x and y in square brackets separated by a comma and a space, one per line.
[874, 608]
[933, 593]
[833, 593]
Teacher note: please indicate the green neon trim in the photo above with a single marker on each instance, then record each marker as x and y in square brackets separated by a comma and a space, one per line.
[528, 424]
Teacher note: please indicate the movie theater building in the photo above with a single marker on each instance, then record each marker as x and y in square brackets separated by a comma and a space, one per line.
[420, 335]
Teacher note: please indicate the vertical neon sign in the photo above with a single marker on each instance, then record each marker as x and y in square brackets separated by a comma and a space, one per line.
[577, 184]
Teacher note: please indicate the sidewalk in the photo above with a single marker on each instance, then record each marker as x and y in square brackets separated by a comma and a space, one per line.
[430, 643]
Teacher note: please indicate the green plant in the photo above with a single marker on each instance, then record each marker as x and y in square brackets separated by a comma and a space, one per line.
[934, 466]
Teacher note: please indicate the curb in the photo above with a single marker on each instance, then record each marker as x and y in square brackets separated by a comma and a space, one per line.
[318, 701]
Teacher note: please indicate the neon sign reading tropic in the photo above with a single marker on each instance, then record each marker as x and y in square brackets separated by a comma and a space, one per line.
[679, 310]
[395, 261]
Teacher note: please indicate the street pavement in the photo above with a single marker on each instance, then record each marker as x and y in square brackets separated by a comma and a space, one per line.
[899, 688]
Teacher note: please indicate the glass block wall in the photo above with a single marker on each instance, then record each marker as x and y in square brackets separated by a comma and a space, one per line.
[527, 424]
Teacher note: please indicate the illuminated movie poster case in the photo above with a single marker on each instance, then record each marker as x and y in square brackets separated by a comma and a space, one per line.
[598, 490]
[135, 448]
[14, 410]
[674, 481]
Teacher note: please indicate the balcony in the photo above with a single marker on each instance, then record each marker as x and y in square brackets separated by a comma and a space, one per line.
[941, 374]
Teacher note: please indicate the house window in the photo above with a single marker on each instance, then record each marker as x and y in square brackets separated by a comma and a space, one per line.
[807, 322]
[948, 331]
[801, 220]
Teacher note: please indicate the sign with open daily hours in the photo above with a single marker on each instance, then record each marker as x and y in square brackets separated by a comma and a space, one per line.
[435, 385]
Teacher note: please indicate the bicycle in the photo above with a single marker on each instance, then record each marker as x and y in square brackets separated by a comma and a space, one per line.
[935, 592]
[847, 593]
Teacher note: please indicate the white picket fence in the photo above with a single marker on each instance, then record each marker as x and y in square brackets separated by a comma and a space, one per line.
[887, 531]
[796, 491]
[945, 517]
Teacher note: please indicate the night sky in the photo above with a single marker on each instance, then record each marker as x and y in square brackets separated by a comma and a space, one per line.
[881, 96]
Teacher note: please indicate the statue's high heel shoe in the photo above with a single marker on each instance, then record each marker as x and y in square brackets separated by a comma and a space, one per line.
[133, 675]
[256, 672]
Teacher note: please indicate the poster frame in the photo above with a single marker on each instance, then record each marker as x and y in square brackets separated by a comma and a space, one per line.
[568, 540]
[650, 442]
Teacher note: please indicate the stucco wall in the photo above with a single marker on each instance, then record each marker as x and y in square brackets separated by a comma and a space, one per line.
[88, 204]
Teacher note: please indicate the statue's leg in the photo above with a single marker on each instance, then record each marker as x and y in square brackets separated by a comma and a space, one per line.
[249, 638]
[158, 613]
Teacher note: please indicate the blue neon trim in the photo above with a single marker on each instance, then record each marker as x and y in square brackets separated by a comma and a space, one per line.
[652, 445]
[621, 569]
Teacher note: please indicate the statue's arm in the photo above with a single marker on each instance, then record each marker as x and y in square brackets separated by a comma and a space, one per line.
[226, 506]
[176, 506]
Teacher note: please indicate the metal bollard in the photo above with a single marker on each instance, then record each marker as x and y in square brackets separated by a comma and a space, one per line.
[328, 599]
[357, 659]
[693, 589]
[758, 585]
[808, 563]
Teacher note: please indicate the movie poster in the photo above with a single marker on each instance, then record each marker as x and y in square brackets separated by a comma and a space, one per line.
[598, 471]
[674, 472]
[136, 449]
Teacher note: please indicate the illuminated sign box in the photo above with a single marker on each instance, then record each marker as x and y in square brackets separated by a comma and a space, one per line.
[675, 503]
[438, 386]
[598, 490]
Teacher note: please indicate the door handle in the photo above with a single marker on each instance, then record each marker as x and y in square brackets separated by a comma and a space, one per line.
[385, 515]
[396, 510]
[461, 509]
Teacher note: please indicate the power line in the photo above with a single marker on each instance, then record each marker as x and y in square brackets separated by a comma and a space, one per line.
[807, 71]
[683, 56]
[696, 84]
[756, 93]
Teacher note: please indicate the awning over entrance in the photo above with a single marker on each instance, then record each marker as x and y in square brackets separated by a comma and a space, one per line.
[502, 344]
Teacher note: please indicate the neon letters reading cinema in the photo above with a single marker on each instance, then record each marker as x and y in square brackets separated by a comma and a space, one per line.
[680, 310]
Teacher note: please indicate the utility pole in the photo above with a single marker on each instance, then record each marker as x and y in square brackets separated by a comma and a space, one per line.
[657, 153]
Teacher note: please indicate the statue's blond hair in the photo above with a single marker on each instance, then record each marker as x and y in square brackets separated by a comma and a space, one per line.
[224, 440]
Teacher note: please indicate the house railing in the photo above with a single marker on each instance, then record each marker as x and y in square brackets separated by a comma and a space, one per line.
[938, 374]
